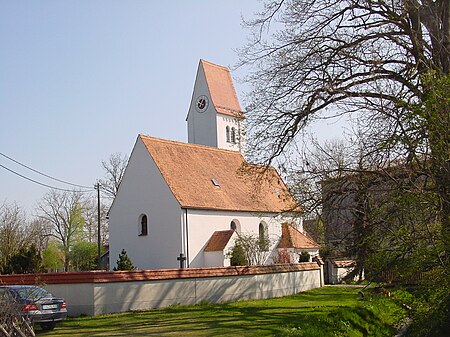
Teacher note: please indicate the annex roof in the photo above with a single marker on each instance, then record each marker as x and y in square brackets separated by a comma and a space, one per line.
[343, 263]
[291, 237]
[203, 177]
[221, 88]
[218, 241]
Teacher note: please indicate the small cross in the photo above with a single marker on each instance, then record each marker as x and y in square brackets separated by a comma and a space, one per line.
[181, 258]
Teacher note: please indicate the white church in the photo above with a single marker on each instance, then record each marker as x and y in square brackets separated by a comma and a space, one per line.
[184, 204]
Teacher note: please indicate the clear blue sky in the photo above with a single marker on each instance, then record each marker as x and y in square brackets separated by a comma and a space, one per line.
[79, 80]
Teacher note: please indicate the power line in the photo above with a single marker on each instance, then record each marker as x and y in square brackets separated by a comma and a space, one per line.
[37, 182]
[43, 174]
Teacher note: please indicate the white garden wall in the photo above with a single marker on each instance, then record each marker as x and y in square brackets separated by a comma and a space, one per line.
[96, 293]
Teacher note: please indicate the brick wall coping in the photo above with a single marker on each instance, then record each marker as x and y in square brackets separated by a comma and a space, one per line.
[151, 275]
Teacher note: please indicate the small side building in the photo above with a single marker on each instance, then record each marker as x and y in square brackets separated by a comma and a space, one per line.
[293, 243]
[336, 270]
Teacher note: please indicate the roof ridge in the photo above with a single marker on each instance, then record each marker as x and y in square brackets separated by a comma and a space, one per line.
[215, 65]
[179, 143]
[303, 234]
[224, 107]
[293, 231]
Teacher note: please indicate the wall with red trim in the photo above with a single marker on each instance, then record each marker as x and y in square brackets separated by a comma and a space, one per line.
[100, 292]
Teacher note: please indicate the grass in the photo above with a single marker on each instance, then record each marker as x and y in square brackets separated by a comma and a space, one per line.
[327, 311]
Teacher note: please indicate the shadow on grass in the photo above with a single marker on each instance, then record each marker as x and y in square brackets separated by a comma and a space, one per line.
[320, 313]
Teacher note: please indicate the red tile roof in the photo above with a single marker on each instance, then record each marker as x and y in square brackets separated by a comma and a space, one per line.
[344, 263]
[218, 241]
[293, 238]
[189, 170]
[221, 88]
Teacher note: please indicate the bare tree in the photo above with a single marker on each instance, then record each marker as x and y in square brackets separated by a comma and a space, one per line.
[90, 214]
[318, 163]
[62, 212]
[254, 249]
[380, 59]
[19, 240]
[331, 57]
[114, 170]
[13, 234]
[384, 63]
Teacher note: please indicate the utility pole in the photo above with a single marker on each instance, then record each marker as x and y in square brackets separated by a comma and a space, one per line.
[97, 187]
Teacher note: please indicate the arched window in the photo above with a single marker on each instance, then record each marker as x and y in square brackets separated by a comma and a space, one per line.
[263, 237]
[143, 226]
[233, 135]
[233, 225]
[228, 134]
[236, 226]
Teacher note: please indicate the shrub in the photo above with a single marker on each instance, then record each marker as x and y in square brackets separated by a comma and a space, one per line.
[304, 257]
[237, 256]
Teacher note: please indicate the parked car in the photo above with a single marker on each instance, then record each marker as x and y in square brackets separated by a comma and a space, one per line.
[35, 303]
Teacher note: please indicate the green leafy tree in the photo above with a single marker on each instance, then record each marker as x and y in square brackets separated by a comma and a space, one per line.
[83, 255]
[124, 262]
[52, 257]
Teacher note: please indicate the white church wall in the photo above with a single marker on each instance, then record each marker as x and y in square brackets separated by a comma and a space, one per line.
[295, 220]
[203, 223]
[202, 125]
[216, 259]
[143, 191]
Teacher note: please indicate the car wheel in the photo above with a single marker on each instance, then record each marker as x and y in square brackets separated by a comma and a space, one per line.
[47, 326]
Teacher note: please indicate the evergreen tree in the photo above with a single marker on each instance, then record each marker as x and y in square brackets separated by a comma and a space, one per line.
[124, 262]
[26, 261]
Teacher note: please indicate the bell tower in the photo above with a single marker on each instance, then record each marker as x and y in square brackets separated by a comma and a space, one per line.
[215, 117]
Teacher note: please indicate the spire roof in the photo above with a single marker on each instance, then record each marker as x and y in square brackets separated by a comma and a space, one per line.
[221, 88]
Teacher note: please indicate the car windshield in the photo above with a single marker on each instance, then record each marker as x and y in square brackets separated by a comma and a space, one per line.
[35, 293]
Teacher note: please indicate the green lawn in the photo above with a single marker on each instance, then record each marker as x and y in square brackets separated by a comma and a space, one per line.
[328, 311]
